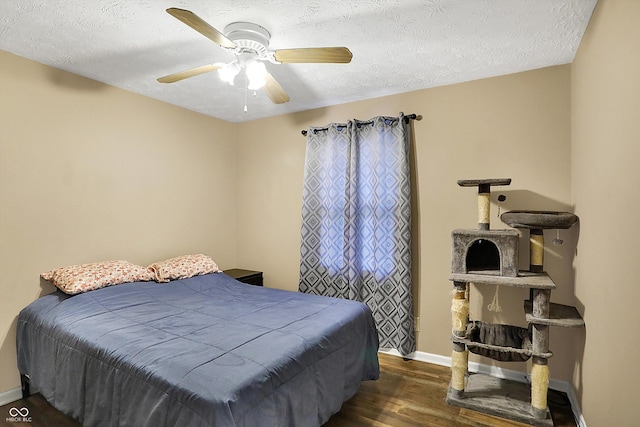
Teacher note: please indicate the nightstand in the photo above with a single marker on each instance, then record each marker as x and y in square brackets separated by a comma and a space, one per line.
[246, 276]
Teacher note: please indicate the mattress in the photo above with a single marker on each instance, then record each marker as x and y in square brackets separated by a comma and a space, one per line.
[204, 351]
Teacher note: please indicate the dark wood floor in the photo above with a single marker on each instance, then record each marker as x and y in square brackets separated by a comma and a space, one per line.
[408, 394]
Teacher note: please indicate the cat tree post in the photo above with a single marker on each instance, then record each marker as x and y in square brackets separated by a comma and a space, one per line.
[484, 206]
[540, 342]
[541, 299]
[536, 250]
[536, 253]
[460, 354]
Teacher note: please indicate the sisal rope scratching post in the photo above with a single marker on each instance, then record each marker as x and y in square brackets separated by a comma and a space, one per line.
[536, 253]
[459, 364]
[536, 250]
[460, 354]
[484, 207]
[539, 387]
[459, 314]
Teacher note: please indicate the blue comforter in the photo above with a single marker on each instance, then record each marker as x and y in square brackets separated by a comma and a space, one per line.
[205, 351]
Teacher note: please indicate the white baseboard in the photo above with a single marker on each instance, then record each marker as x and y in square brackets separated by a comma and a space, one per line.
[497, 372]
[10, 395]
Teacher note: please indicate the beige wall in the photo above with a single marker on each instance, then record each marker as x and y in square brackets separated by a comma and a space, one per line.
[516, 126]
[89, 172]
[606, 193]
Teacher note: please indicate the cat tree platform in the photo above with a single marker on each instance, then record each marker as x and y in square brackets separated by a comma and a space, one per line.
[565, 316]
[500, 398]
[547, 220]
[524, 279]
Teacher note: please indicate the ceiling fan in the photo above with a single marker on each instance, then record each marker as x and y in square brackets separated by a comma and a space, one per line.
[249, 43]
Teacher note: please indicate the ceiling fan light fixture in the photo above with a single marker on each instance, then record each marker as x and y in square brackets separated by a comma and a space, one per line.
[249, 43]
[257, 75]
[229, 72]
[249, 37]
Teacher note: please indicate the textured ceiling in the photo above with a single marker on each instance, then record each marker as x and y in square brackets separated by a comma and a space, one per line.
[397, 45]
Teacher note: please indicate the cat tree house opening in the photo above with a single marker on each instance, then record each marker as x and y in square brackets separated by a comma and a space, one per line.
[485, 251]
[483, 255]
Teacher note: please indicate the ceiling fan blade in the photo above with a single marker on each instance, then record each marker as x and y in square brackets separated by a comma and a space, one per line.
[274, 91]
[171, 78]
[340, 55]
[198, 24]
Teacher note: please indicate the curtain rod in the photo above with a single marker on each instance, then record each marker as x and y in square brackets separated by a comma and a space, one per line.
[406, 120]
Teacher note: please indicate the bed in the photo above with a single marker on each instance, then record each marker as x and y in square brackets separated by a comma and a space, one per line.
[202, 351]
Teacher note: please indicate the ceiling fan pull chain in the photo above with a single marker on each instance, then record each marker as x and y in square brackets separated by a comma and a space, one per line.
[245, 92]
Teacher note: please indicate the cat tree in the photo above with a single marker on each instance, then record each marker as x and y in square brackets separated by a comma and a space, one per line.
[490, 257]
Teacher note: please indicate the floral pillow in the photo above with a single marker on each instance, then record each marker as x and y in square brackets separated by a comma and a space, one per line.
[183, 267]
[75, 279]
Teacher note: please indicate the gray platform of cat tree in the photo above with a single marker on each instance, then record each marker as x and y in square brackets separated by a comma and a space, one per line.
[496, 396]
[484, 183]
[540, 220]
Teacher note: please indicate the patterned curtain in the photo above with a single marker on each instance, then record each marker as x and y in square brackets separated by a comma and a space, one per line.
[356, 221]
